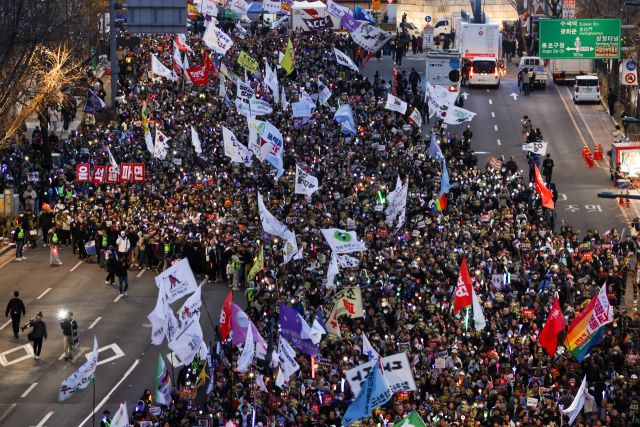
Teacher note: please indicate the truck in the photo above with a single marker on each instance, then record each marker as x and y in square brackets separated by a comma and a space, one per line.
[443, 68]
[536, 69]
[478, 40]
[566, 70]
[444, 25]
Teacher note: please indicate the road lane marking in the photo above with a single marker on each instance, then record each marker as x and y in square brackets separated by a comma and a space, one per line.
[28, 348]
[29, 389]
[141, 273]
[583, 120]
[7, 411]
[571, 115]
[487, 90]
[97, 408]
[490, 102]
[118, 298]
[76, 266]
[94, 323]
[5, 325]
[8, 261]
[495, 127]
[44, 293]
[44, 420]
[114, 347]
[493, 114]
[499, 143]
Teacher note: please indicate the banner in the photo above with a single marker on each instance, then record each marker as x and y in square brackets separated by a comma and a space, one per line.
[112, 175]
[243, 109]
[81, 378]
[416, 117]
[302, 109]
[271, 6]
[191, 308]
[187, 342]
[83, 172]
[99, 175]
[342, 242]
[258, 265]
[244, 90]
[337, 10]
[159, 69]
[539, 148]
[290, 249]
[248, 62]
[285, 6]
[248, 351]
[359, 14]
[238, 6]
[159, 319]
[349, 23]
[344, 116]
[319, 23]
[287, 358]
[292, 327]
[395, 104]
[177, 281]
[259, 107]
[370, 37]
[217, 40]
[126, 172]
[163, 383]
[198, 76]
[602, 311]
[347, 301]
[234, 148]
[396, 367]
[578, 403]
[269, 222]
[374, 393]
[305, 183]
[346, 261]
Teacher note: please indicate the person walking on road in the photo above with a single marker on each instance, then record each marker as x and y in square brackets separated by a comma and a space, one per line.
[123, 245]
[123, 278]
[525, 82]
[547, 168]
[15, 309]
[37, 334]
[112, 262]
[399, 51]
[19, 238]
[68, 325]
[52, 237]
[414, 80]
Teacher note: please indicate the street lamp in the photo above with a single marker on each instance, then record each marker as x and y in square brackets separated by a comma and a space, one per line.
[610, 195]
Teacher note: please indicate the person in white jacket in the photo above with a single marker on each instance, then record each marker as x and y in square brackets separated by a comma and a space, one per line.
[123, 245]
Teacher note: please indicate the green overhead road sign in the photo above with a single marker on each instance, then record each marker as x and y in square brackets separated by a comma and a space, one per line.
[579, 38]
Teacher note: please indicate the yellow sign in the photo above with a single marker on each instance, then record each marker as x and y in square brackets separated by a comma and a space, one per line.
[376, 4]
[257, 266]
[248, 62]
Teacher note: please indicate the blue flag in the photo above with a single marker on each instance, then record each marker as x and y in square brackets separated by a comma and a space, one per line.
[444, 182]
[216, 60]
[375, 392]
[434, 148]
[359, 14]
[345, 117]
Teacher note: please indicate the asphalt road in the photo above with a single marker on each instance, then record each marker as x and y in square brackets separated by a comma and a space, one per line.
[29, 388]
[127, 358]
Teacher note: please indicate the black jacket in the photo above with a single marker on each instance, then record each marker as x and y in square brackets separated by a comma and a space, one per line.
[67, 326]
[39, 329]
[14, 307]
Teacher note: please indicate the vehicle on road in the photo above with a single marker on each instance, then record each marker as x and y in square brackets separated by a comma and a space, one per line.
[567, 69]
[586, 89]
[443, 68]
[477, 41]
[537, 71]
[484, 72]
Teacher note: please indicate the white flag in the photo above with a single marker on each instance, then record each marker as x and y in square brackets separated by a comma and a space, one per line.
[478, 315]
[195, 140]
[416, 117]
[395, 104]
[177, 281]
[290, 250]
[245, 90]
[317, 329]
[332, 271]
[187, 341]
[82, 377]
[192, 307]
[185, 64]
[244, 109]
[247, 352]
[368, 349]
[217, 40]
[287, 356]
[270, 78]
[325, 93]
[578, 403]
[346, 261]
[260, 382]
[269, 222]
[159, 69]
[305, 183]
[176, 56]
[235, 149]
[279, 379]
[121, 417]
[345, 60]
[602, 312]
[161, 146]
[163, 394]
[158, 318]
[342, 242]
[112, 160]
[239, 6]
[283, 99]
[149, 141]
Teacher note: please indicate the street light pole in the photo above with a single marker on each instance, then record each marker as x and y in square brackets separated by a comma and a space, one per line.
[112, 48]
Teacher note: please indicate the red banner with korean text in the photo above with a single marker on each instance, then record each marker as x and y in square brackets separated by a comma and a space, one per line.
[83, 172]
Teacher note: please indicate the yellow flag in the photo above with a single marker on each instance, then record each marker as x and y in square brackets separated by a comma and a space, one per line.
[287, 61]
[257, 266]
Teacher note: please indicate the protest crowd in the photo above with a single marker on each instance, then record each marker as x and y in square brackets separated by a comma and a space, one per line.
[485, 364]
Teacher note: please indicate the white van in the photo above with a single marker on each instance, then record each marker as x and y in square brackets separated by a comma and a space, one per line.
[484, 72]
[587, 88]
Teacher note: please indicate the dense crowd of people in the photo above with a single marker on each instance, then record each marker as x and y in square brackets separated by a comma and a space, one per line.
[204, 208]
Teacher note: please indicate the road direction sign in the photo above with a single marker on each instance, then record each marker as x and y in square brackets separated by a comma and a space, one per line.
[580, 38]
[427, 18]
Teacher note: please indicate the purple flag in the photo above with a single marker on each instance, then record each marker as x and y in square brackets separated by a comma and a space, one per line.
[349, 23]
[291, 327]
[240, 324]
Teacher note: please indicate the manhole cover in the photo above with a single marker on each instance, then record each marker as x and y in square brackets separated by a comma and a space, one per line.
[147, 325]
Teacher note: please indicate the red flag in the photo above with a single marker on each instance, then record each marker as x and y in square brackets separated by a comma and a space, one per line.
[366, 60]
[395, 81]
[225, 316]
[555, 324]
[210, 67]
[463, 289]
[198, 76]
[543, 191]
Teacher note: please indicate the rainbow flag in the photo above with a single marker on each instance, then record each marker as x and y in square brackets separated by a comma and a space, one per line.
[440, 204]
[578, 340]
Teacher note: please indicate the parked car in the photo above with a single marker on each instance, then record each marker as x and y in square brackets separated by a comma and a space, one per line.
[586, 88]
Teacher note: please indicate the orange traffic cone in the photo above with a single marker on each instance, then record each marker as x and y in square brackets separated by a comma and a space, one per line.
[585, 150]
[598, 154]
[108, 73]
[590, 160]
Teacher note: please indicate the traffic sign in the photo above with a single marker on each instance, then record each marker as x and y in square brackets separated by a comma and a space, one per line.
[629, 73]
[427, 18]
[580, 38]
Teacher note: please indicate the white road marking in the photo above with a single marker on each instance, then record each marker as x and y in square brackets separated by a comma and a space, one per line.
[118, 353]
[141, 273]
[117, 298]
[490, 102]
[487, 90]
[495, 127]
[76, 266]
[493, 114]
[44, 420]
[44, 293]
[97, 408]
[5, 325]
[94, 323]
[7, 411]
[28, 348]
[499, 143]
[582, 117]
[29, 389]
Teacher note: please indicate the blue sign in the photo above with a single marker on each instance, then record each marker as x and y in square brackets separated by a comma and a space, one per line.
[631, 66]
[427, 18]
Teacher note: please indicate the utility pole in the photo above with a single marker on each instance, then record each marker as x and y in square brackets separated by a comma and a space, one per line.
[112, 48]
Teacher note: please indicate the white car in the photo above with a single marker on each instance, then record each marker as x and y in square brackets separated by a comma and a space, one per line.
[484, 72]
[587, 88]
